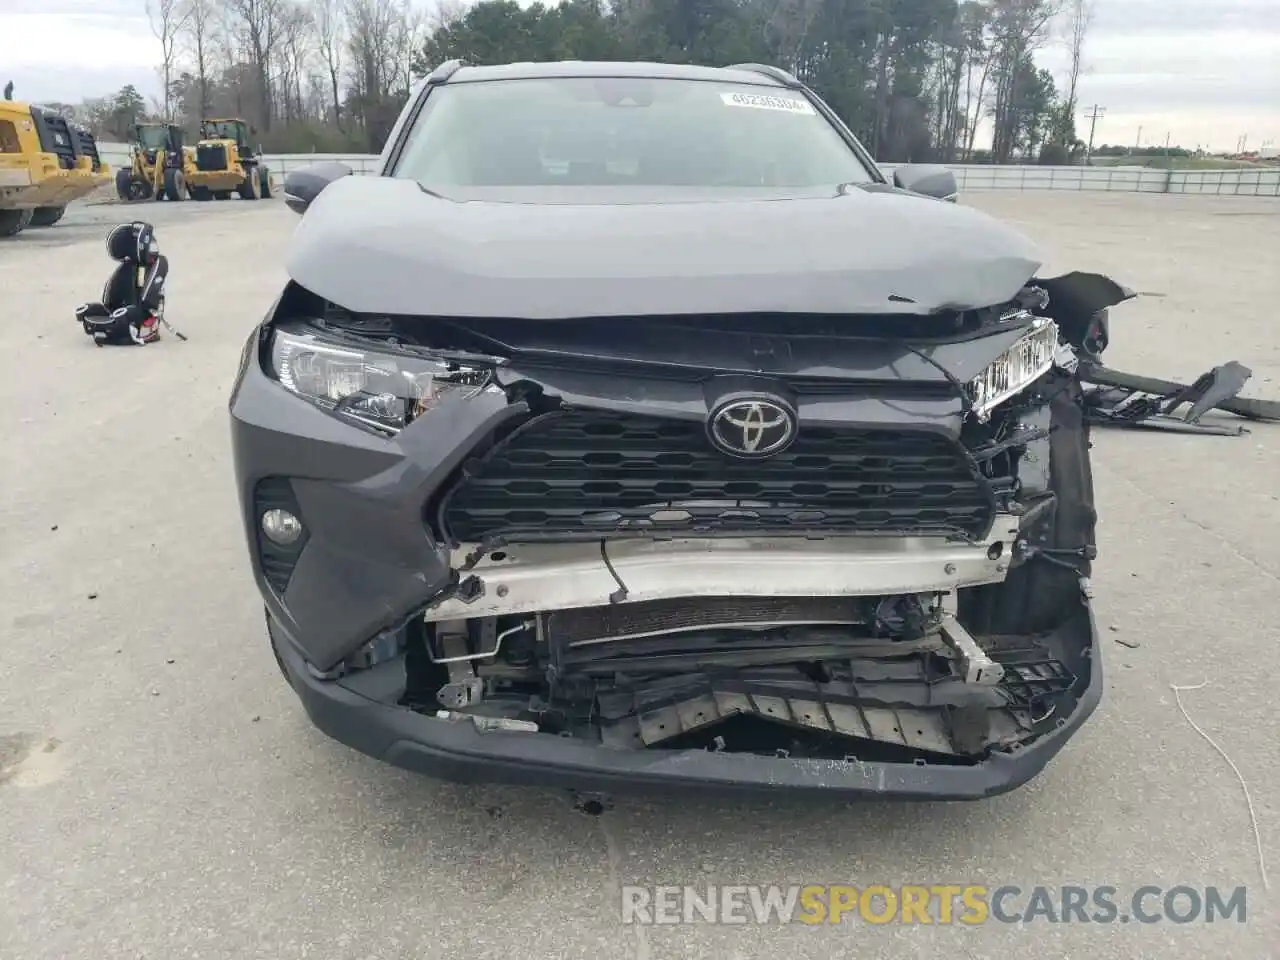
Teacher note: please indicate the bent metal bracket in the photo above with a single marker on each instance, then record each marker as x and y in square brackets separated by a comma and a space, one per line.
[1117, 399]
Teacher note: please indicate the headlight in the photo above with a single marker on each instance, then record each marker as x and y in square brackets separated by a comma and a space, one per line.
[1015, 369]
[382, 390]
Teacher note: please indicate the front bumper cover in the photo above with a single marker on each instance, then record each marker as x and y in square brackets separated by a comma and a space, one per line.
[460, 752]
[371, 560]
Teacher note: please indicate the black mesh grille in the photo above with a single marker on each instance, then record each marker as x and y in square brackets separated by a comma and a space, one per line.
[211, 156]
[87, 146]
[647, 617]
[584, 472]
[274, 493]
[55, 136]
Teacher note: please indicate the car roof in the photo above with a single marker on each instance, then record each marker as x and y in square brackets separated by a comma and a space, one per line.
[591, 68]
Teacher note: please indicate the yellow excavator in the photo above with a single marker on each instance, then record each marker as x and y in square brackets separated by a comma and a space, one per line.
[46, 161]
[226, 162]
[159, 165]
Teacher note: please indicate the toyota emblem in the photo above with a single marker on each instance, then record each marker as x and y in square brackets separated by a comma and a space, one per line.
[752, 427]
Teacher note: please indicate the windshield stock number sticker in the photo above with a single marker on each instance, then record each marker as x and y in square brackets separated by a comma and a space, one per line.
[763, 102]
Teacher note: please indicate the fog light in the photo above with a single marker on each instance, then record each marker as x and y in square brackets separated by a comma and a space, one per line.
[281, 527]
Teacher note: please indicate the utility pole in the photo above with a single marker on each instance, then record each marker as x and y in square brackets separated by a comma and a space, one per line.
[1094, 115]
[1137, 144]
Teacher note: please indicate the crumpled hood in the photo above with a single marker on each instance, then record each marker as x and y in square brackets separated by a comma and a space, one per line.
[384, 245]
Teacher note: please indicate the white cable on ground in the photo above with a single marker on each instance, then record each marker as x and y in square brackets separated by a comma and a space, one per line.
[1253, 817]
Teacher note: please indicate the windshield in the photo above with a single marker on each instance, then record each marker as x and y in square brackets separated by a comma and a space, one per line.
[153, 138]
[600, 132]
[221, 130]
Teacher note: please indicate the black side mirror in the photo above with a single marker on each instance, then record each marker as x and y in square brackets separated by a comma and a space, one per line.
[927, 179]
[303, 185]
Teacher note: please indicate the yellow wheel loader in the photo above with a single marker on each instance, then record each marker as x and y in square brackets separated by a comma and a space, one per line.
[46, 161]
[227, 163]
[159, 165]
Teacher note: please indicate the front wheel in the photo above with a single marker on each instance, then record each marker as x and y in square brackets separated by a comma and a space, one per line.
[175, 184]
[124, 184]
[13, 222]
[249, 188]
[222, 194]
[47, 216]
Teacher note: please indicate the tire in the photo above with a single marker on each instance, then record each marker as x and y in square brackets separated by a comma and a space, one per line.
[13, 222]
[175, 184]
[124, 184]
[222, 194]
[249, 188]
[264, 183]
[202, 194]
[47, 216]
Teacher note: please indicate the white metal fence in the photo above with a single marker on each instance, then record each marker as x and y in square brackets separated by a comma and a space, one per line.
[1257, 182]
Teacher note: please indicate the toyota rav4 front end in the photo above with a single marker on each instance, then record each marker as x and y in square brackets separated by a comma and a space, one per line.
[555, 470]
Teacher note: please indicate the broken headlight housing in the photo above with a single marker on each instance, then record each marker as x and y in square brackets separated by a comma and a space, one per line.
[385, 389]
[1021, 365]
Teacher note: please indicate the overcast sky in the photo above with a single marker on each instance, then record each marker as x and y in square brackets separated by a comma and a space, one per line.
[1202, 71]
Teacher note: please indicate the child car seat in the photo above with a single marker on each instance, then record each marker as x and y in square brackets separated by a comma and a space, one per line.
[132, 306]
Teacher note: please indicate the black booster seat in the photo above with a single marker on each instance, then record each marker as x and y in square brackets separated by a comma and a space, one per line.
[132, 307]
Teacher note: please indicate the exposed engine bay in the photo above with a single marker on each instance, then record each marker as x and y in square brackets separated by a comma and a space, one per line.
[810, 676]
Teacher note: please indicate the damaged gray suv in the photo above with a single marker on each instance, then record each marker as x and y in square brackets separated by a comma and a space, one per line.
[629, 429]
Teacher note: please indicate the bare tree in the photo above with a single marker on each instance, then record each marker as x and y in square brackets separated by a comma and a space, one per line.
[374, 41]
[1079, 16]
[958, 53]
[407, 34]
[974, 19]
[293, 50]
[198, 34]
[787, 26]
[231, 52]
[168, 19]
[445, 14]
[258, 23]
[1019, 27]
[331, 37]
